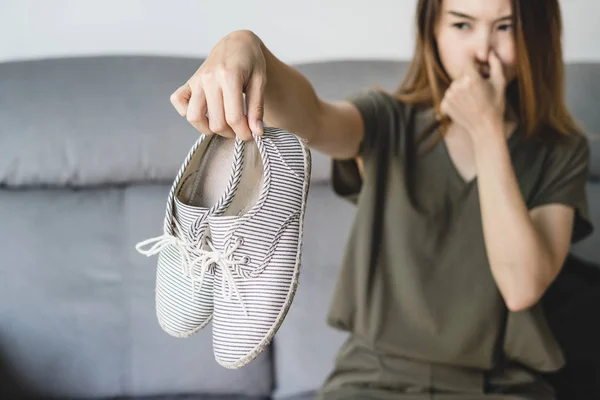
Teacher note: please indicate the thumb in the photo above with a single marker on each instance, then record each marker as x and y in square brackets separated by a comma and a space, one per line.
[470, 69]
[496, 71]
[255, 106]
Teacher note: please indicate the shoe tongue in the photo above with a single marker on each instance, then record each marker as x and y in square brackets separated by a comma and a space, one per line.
[220, 229]
[186, 214]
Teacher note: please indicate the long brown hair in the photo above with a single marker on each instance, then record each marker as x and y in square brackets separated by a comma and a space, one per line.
[537, 94]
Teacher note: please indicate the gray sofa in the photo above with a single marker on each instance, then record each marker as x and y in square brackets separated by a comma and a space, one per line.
[88, 149]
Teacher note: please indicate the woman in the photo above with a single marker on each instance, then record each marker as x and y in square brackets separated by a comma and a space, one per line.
[470, 187]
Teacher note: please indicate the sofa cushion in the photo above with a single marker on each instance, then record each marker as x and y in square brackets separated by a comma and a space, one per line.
[595, 156]
[86, 121]
[305, 346]
[198, 396]
[589, 249]
[62, 330]
[303, 396]
[77, 316]
[92, 120]
[583, 90]
[570, 305]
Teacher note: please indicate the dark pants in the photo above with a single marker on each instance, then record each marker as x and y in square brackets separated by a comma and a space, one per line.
[361, 373]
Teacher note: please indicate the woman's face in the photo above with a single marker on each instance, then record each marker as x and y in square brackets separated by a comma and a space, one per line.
[468, 30]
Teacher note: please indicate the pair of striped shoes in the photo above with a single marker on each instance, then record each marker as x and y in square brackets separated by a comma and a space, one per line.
[231, 243]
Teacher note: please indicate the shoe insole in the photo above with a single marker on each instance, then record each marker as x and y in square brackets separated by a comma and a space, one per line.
[211, 170]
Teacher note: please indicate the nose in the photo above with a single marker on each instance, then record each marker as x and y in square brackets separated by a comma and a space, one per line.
[483, 44]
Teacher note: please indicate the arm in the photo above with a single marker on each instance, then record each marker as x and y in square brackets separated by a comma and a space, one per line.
[290, 102]
[526, 249]
[240, 65]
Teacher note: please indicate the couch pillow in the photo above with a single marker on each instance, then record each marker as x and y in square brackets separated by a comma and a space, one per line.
[92, 120]
[305, 347]
[87, 121]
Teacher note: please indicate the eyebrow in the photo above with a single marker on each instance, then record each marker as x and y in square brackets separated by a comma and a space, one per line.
[463, 15]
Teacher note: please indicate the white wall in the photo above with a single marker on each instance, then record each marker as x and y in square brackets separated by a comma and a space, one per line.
[296, 31]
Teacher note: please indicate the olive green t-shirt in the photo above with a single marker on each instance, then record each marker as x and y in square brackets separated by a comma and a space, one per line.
[426, 291]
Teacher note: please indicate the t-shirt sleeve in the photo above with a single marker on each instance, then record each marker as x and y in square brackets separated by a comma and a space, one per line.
[374, 108]
[565, 182]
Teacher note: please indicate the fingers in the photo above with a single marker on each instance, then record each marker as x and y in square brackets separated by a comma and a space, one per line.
[255, 104]
[196, 113]
[443, 109]
[213, 102]
[496, 71]
[471, 69]
[233, 100]
[454, 96]
[445, 105]
[180, 99]
[216, 111]
[213, 106]
[191, 103]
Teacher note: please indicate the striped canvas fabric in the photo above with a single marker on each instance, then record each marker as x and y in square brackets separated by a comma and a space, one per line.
[258, 249]
[184, 284]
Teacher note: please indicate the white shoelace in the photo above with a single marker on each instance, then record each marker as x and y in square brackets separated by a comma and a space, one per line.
[194, 258]
[196, 261]
[229, 266]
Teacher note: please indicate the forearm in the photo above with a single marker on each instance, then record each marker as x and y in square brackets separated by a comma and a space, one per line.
[291, 102]
[518, 257]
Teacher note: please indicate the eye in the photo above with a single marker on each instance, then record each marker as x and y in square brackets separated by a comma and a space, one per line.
[461, 26]
[505, 27]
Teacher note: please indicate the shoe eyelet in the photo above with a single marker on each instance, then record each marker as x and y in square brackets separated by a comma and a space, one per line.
[245, 260]
[239, 240]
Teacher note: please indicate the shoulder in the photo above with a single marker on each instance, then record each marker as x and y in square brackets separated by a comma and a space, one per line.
[563, 178]
[548, 149]
[564, 150]
[558, 143]
[385, 114]
[374, 100]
